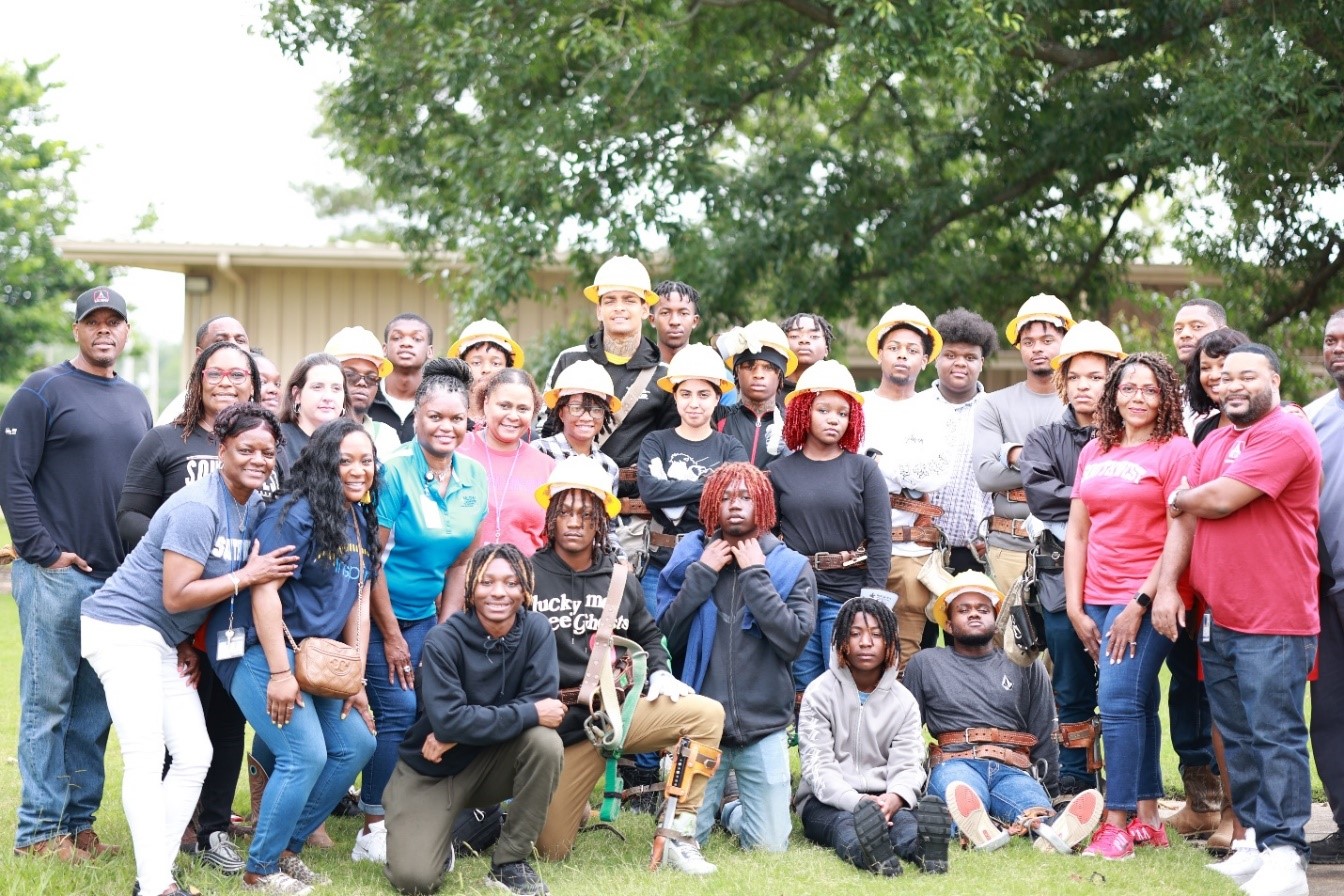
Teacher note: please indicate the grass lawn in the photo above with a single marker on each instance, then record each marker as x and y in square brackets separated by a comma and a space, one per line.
[602, 864]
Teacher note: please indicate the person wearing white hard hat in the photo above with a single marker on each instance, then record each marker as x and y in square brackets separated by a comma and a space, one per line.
[674, 463]
[408, 342]
[364, 366]
[1002, 422]
[574, 583]
[912, 438]
[993, 723]
[622, 294]
[1049, 463]
[760, 358]
[832, 502]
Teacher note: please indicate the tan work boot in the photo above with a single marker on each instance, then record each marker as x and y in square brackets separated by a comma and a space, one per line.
[256, 787]
[1203, 807]
[62, 848]
[1220, 841]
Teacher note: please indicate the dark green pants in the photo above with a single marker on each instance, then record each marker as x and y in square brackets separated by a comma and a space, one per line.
[421, 810]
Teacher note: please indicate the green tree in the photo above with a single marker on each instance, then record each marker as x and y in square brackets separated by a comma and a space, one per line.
[36, 206]
[842, 155]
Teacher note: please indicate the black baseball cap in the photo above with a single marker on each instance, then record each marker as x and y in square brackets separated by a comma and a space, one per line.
[91, 300]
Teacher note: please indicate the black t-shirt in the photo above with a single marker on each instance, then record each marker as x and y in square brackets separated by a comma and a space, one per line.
[672, 474]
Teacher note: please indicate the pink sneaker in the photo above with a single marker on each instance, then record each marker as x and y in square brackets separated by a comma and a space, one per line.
[1110, 842]
[1144, 834]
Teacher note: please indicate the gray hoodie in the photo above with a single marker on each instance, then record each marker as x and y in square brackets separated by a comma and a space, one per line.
[848, 749]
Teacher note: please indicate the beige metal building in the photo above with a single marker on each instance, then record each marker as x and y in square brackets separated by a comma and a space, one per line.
[292, 299]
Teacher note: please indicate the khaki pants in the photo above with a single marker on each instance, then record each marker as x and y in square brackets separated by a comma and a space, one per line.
[657, 724]
[1006, 567]
[421, 810]
[914, 599]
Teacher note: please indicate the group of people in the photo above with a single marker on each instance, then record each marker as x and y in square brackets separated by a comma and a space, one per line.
[765, 548]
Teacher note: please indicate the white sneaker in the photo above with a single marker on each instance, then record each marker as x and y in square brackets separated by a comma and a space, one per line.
[371, 847]
[685, 856]
[1243, 860]
[1281, 874]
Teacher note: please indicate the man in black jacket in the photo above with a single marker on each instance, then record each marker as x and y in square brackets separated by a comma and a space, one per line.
[574, 576]
[738, 608]
[621, 291]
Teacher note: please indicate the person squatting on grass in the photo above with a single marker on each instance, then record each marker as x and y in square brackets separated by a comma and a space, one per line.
[862, 753]
[738, 607]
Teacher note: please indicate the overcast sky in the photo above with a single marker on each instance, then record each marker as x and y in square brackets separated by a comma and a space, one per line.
[179, 107]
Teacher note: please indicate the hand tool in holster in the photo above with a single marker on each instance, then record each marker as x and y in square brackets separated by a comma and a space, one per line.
[689, 760]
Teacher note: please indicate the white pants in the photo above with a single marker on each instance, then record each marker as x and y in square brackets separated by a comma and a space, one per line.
[152, 707]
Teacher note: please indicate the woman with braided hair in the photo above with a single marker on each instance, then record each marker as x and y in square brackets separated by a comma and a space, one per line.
[833, 504]
[487, 732]
[862, 753]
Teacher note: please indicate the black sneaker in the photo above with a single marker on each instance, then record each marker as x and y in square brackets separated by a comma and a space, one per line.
[870, 825]
[934, 824]
[516, 877]
[1328, 850]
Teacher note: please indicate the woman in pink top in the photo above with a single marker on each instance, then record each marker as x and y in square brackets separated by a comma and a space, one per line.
[1116, 532]
[514, 467]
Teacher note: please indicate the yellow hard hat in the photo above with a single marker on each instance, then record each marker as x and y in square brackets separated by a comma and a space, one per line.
[966, 583]
[1088, 337]
[826, 376]
[586, 377]
[755, 338]
[580, 471]
[695, 362]
[621, 274]
[1042, 307]
[356, 342]
[486, 330]
[910, 316]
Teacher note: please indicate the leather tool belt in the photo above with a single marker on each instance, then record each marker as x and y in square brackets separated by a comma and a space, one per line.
[1083, 735]
[1017, 495]
[825, 560]
[622, 670]
[1009, 747]
[925, 510]
[1049, 552]
[628, 474]
[634, 507]
[927, 536]
[1008, 526]
[664, 539]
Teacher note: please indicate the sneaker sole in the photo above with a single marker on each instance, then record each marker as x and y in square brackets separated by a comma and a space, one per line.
[934, 824]
[972, 819]
[1074, 824]
[1239, 878]
[500, 885]
[870, 826]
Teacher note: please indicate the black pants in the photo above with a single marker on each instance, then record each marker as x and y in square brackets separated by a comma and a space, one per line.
[1327, 705]
[829, 826]
[225, 724]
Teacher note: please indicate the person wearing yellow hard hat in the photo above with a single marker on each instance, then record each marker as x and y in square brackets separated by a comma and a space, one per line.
[486, 346]
[993, 723]
[364, 366]
[912, 438]
[832, 502]
[582, 406]
[1002, 423]
[622, 294]
[760, 358]
[674, 463]
[1049, 462]
[574, 573]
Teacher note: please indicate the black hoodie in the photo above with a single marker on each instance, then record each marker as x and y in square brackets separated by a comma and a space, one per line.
[477, 691]
[572, 601]
[653, 408]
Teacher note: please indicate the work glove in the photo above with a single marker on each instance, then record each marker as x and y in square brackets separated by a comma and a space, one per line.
[664, 684]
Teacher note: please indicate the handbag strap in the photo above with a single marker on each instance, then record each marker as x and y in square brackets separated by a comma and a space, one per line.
[601, 649]
[636, 389]
[359, 593]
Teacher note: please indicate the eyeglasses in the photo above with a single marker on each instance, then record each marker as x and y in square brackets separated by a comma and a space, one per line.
[237, 376]
[355, 378]
[577, 409]
[1129, 390]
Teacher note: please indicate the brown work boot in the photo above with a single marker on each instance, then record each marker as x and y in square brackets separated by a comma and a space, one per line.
[1203, 807]
[62, 848]
[1220, 841]
[256, 787]
[88, 841]
[320, 839]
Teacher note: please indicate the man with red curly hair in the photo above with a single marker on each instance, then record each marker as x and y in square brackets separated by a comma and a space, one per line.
[737, 607]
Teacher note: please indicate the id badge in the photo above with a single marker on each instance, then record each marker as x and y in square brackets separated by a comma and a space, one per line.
[1206, 628]
[231, 644]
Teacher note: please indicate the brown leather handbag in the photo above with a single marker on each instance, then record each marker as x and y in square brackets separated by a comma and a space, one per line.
[326, 667]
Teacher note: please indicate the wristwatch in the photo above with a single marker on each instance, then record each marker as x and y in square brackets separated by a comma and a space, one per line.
[1143, 600]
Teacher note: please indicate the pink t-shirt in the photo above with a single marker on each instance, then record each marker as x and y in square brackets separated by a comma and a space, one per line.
[1125, 491]
[1257, 567]
[513, 515]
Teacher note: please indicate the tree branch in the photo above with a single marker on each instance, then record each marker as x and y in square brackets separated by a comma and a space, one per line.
[814, 11]
[1308, 295]
[714, 125]
[1094, 255]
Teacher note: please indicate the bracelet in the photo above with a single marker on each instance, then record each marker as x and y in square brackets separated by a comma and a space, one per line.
[233, 578]
[283, 672]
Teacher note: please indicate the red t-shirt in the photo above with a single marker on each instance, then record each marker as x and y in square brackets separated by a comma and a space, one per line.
[1125, 491]
[1257, 568]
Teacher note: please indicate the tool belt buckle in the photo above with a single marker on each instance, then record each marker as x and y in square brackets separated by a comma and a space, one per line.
[966, 737]
[820, 557]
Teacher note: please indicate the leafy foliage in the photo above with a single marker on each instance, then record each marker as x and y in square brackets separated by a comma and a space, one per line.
[36, 206]
[842, 155]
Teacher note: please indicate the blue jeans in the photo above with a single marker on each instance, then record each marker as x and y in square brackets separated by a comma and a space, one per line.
[834, 827]
[1006, 792]
[1129, 697]
[816, 656]
[1074, 680]
[393, 707]
[649, 582]
[63, 717]
[317, 756]
[1256, 684]
[759, 818]
[1188, 705]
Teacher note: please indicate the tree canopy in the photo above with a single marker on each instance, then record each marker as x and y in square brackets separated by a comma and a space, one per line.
[843, 155]
[36, 205]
